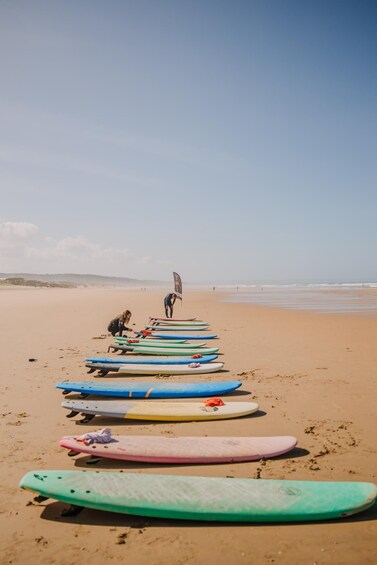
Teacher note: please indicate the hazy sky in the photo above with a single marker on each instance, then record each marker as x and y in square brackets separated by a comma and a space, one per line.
[224, 140]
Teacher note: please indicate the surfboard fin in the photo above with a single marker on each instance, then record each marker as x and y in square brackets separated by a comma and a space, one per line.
[72, 413]
[93, 460]
[40, 498]
[102, 373]
[72, 453]
[115, 348]
[91, 369]
[72, 510]
[87, 418]
[83, 395]
[65, 392]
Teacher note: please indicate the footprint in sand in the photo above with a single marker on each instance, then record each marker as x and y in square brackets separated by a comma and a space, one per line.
[336, 438]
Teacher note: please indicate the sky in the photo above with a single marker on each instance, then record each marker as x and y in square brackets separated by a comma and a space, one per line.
[224, 140]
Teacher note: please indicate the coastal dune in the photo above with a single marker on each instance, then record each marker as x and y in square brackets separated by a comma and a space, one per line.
[312, 374]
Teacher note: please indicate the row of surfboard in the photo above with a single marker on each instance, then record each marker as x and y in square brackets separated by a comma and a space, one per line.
[175, 353]
[171, 496]
[152, 356]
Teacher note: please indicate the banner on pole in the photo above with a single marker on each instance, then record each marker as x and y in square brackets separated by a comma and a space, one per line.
[177, 285]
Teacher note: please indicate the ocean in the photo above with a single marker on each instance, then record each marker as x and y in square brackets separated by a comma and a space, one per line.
[355, 298]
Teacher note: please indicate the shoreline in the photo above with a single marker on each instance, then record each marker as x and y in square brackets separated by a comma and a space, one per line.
[352, 300]
[312, 375]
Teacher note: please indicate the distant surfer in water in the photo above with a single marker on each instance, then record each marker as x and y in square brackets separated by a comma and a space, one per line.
[169, 303]
[118, 324]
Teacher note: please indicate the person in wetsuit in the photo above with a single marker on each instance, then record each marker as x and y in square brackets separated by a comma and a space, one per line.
[118, 324]
[169, 303]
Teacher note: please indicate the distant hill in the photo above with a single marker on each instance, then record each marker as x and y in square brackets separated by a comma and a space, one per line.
[82, 280]
[20, 281]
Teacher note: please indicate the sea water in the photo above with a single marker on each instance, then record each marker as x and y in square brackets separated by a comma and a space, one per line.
[355, 298]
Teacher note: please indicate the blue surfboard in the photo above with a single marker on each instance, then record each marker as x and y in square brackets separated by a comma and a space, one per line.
[184, 336]
[149, 360]
[127, 389]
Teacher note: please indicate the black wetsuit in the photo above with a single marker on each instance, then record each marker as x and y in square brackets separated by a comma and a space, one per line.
[169, 303]
[117, 326]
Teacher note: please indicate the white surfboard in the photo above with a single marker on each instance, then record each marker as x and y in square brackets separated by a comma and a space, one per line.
[157, 410]
[140, 369]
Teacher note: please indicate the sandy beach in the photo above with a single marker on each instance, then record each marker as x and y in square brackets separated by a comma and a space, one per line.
[312, 375]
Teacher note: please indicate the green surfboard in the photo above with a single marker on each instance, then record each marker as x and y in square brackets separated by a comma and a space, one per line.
[203, 498]
[165, 350]
[160, 343]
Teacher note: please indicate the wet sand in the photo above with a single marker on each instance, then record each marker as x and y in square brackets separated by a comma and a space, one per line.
[313, 376]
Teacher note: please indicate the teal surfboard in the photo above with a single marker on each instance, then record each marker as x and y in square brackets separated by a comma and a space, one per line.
[159, 343]
[165, 350]
[203, 498]
[150, 341]
[184, 336]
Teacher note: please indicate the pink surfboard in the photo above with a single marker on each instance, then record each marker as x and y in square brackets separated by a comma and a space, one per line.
[173, 319]
[160, 449]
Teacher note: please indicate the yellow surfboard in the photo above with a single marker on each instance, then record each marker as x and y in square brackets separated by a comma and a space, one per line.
[157, 410]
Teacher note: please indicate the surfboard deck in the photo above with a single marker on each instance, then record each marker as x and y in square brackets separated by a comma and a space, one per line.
[184, 450]
[203, 498]
[195, 324]
[152, 337]
[178, 328]
[159, 343]
[160, 411]
[141, 369]
[150, 389]
[173, 319]
[182, 336]
[150, 360]
[164, 350]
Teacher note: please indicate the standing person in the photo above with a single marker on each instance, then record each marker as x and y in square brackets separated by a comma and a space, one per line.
[169, 303]
[118, 324]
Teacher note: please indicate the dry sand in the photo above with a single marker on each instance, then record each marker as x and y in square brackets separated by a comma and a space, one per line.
[313, 376]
